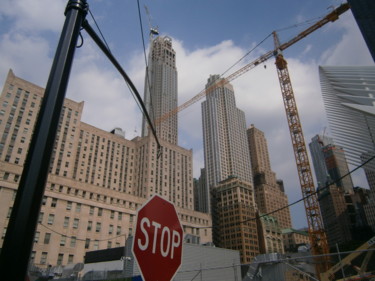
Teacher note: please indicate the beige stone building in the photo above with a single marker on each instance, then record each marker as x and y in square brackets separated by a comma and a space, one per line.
[234, 218]
[97, 179]
[294, 238]
[270, 235]
[269, 194]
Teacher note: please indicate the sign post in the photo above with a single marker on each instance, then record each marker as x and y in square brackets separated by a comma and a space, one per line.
[158, 238]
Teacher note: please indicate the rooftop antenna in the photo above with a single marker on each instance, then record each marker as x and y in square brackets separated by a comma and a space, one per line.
[153, 30]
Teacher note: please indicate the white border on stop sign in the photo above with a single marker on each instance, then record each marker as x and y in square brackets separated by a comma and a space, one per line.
[135, 231]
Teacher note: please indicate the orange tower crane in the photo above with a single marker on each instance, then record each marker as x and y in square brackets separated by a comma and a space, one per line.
[316, 230]
[318, 239]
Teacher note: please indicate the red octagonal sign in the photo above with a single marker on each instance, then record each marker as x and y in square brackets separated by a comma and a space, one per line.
[157, 244]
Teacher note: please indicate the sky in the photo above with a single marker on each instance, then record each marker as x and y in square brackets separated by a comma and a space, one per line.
[209, 37]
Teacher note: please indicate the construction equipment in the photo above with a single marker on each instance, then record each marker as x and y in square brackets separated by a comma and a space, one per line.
[368, 248]
[318, 238]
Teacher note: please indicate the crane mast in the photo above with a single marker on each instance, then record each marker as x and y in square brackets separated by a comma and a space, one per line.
[318, 239]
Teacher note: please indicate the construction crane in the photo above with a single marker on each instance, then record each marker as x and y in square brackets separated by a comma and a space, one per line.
[318, 239]
[315, 224]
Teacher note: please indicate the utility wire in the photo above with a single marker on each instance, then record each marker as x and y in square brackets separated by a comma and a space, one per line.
[248, 53]
[97, 26]
[109, 50]
[148, 84]
[303, 198]
[247, 220]
[128, 81]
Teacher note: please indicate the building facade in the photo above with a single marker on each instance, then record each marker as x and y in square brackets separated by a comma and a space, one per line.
[224, 135]
[201, 199]
[363, 11]
[269, 195]
[348, 96]
[330, 163]
[97, 179]
[335, 213]
[270, 235]
[294, 238]
[234, 218]
[160, 96]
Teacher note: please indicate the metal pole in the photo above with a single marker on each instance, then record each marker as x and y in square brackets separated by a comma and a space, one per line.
[18, 240]
[342, 268]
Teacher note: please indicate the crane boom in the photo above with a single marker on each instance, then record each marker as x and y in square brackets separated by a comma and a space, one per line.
[332, 16]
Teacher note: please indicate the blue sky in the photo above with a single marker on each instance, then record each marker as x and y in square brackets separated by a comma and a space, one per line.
[208, 36]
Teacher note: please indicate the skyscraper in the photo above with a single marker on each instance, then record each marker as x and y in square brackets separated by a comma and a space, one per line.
[330, 163]
[228, 171]
[363, 11]
[349, 98]
[160, 93]
[269, 195]
[224, 136]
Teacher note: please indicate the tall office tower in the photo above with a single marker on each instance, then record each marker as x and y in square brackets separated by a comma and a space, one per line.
[200, 193]
[330, 163]
[96, 182]
[349, 96]
[224, 136]
[364, 11]
[160, 93]
[269, 195]
[335, 213]
[233, 216]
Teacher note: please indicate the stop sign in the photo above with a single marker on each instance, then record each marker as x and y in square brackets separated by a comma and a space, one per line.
[157, 244]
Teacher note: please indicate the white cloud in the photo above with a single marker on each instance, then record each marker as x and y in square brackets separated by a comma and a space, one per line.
[34, 15]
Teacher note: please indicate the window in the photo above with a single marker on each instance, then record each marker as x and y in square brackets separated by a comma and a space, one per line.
[78, 207]
[109, 244]
[60, 258]
[51, 218]
[63, 240]
[100, 212]
[47, 238]
[110, 231]
[89, 225]
[98, 226]
[44, 200]
[118, 232]
[66, 222]
[96, 245]
[87, 243]
[73, 242]
[4, 232]
[69, 205]
[43, 258]
[92, 209]
[40, 219]
[119, 216]
[9, 212]
[70, 259]
[36, 237]
[75, 223]
[54, 202]
[6, 176]
[112, 214]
